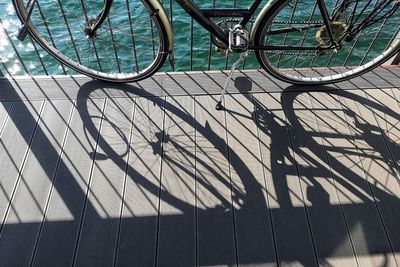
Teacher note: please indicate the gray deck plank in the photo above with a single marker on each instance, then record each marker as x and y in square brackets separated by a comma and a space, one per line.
[394, 70]
[331, 236]
[163, 84]
[396, 93]
[386, 109]
[200, 189]
[216, 241]
[331, 124]
[177, 226]
[17, 242]
[361, 215]
[138, 234]
[4, 113]
[56, 245]
[377, 80]
[100, 223]
[381, 131]
[15, 141]
[388, 76]
[290, 229]
[255, 242]
[361, 82]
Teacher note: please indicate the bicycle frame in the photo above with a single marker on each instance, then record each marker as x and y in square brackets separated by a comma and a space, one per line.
[204, 18]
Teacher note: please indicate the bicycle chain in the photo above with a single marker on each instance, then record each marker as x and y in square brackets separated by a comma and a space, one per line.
[298, 22]
[290, 53]
[277, 22]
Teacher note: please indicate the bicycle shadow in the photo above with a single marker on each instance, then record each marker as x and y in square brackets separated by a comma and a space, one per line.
[313, 207]
[321, 218]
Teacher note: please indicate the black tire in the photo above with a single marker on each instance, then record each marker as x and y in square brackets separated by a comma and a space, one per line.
[374, 46]
[131, 45]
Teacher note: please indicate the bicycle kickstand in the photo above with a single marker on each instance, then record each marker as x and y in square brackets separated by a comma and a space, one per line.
[219, 105]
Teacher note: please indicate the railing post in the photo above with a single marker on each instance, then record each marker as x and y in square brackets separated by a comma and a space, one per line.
[395, 60]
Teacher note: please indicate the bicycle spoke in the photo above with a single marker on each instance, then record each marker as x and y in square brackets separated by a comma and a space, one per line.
[118, 50]
[364, 48]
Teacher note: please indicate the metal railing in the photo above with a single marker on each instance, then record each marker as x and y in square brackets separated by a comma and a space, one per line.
[28, 58]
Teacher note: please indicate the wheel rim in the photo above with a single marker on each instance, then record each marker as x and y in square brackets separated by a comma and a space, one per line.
[372, 47]
[128, 46]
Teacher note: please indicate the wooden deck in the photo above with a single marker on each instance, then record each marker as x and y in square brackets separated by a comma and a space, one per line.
[150, 174]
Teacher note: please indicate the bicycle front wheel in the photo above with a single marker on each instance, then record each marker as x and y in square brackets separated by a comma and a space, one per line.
[130, 45]
[295, 24]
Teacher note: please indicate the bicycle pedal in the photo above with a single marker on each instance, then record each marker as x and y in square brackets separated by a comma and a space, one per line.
[238, 39]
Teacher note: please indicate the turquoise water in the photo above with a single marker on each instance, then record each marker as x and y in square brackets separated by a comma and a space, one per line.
[201, 57]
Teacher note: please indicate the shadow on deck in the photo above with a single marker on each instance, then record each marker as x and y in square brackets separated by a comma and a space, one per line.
[150, 174]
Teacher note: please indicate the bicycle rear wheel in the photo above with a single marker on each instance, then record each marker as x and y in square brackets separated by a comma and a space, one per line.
[130, 45]
[369, 48]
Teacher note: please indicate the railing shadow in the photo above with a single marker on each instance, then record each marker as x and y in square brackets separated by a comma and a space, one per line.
[293, 218]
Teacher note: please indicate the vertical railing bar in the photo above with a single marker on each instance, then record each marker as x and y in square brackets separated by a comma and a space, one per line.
[331, 57]
[285, 38]
[363, 10]
[5, 68]
[94, 45]
[251, 26]
[395, 60]
[49, 33]
[209, 56]
[152, 37]
[29, 3]
[352, 20]
[114, 45]
[355, 42]
[191, 44]
[64, 12]
[132, 35]
[69, 31]
[394, 37]
[304, 34]
[226, 55]
[171, 14]
[373, 41]
[313, 59]
[226, 61]
[210, 46]
[38, 55]
[14, 48]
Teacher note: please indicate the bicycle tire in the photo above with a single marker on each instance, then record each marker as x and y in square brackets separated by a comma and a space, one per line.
[131, 45]
[357, 57]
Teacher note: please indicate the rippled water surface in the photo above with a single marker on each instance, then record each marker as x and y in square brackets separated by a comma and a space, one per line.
[191, 54]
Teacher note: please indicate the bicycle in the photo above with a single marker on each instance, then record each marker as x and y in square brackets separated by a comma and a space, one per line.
[125, 41]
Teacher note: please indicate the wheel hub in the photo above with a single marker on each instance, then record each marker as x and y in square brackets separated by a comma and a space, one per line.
[88, 28]
[338, 30]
